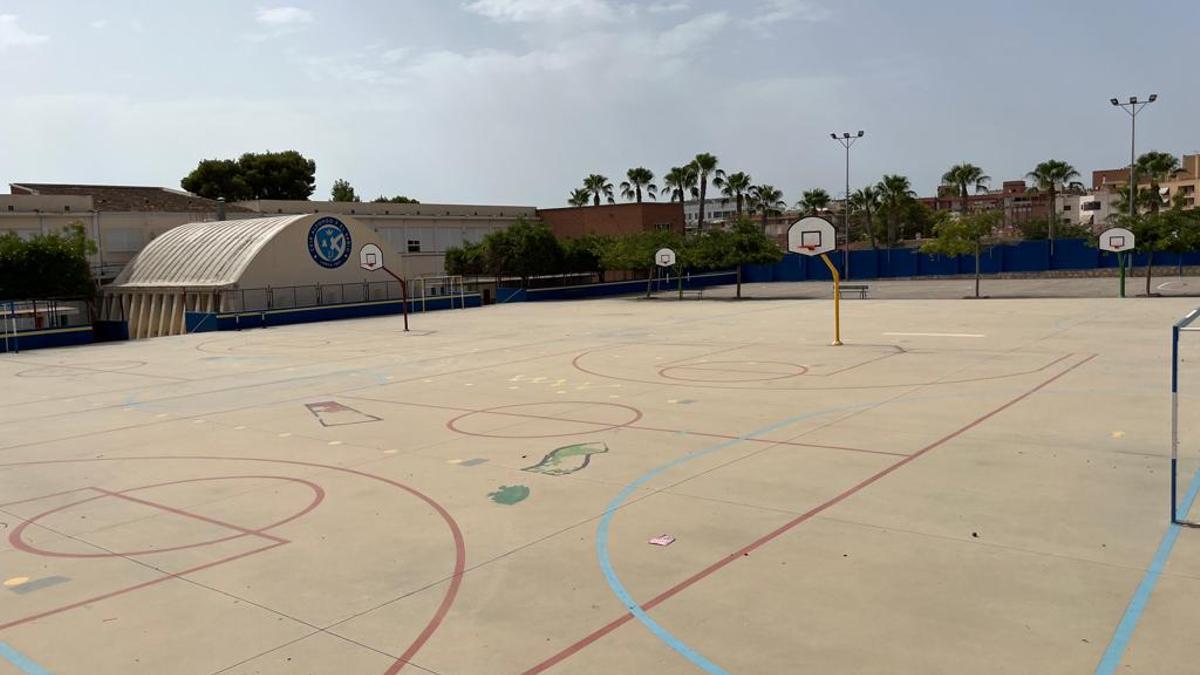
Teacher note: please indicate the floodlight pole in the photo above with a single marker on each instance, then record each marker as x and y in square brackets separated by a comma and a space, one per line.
[846, 140]
[1133, 107]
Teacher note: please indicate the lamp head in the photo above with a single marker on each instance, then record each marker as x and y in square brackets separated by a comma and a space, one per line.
[833, 136]
[846, 135]
[1114, 101]
[860, 133]
[1153, 98]
[1133, 99]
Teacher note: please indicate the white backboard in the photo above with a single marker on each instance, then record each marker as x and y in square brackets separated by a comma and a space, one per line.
[812, 236]
[1117, 240]
[370, 257]
[665, 257]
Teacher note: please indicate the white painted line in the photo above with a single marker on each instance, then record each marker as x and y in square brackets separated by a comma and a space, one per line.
[952, 335]
[1163, 286]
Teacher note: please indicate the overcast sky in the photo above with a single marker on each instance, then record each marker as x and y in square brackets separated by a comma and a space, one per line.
[514, 101]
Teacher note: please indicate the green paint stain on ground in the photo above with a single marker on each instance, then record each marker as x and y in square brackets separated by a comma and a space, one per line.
[509, 494]
[567, 459]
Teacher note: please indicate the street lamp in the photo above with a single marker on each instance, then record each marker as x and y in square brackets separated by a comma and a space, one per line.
[1133, 107]
[846, 140]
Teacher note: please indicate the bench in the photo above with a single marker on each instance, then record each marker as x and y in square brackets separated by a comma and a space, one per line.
[861, 289]
[698, 293]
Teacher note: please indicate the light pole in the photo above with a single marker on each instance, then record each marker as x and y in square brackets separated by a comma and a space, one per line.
[846, 140]
[1133, 107]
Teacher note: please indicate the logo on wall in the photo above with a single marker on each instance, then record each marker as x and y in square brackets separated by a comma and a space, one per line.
[329, 242]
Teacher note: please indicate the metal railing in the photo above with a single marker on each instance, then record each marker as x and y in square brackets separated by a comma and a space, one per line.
[248, 300]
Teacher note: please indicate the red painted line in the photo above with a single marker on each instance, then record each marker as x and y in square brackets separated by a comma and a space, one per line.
[16, 537]
[768, 441]
[144, 584]
[760, 375]
[860, 365]
[808, 515]
[460, 549]
[452, 425]
[49, 496]
[575, 363]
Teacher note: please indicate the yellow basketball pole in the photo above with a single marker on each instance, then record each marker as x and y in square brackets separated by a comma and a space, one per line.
[837, 301]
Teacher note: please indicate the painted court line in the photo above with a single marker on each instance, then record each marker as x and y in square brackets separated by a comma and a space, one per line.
[639, 611]
[951, 335]
[1124, 632]
[22, 662]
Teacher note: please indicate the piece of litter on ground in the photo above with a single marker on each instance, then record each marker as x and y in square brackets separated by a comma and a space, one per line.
[662, 540]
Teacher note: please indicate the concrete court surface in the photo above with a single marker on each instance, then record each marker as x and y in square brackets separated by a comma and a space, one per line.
[963, 487]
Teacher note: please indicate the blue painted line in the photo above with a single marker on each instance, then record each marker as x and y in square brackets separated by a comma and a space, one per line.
[602, 536]
[22, 662]
[1120, 639]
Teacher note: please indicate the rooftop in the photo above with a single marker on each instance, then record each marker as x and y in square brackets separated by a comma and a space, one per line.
[127, 197]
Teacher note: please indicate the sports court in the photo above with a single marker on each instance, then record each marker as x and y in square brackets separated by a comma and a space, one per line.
[964, 486]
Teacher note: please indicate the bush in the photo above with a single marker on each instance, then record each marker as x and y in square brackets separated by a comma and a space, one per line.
[47, 266]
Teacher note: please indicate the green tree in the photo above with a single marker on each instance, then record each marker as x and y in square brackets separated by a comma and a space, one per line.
[767, 201]
[218, 178]
[964, 176]
[1036, 230]
[398, 199]
[705, 165]
[467, 259]
[635, 251]
[743, 244]
[813, 201]
[680, 181]
[583, 254]
[579, 197]
[47, 266]
[267, 175]
[895, 193]
[639, 180]
[343, 191]
[969, 233]
[1050, 176]
[598, 186]
[866, 203]
[735, 186]
[1173, 230]
[522, 249]
[1156, 167]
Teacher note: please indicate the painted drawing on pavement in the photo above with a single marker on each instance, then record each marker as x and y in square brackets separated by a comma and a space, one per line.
[568, 459]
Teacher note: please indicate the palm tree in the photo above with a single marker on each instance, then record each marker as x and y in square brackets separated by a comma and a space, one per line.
[813, 201]
[579, 197]
[599, 186]
[768, 201]
[895, 192]
[735, 186]
[639, 180]
[1049, 175]
[705, 164]
[866, 202]
[963, 176]
[1157, 167]
[681, 182]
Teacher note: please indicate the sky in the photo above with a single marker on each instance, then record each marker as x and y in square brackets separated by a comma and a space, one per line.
[515, 101]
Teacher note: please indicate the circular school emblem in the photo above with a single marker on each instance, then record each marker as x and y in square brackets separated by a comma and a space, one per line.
[329, 242]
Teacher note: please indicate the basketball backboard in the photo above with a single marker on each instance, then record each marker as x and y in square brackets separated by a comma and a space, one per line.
[812, 236]
[370, 257]
[1117, 240]
[664, 258]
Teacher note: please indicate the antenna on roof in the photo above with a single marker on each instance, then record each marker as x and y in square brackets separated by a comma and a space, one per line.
[220, 208]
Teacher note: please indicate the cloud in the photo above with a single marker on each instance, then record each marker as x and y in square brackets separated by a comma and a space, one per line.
[666, 7]
[283, 16]
[12, 35]
[278, 22]
[536, 11]
[778, 11]
[99, 24]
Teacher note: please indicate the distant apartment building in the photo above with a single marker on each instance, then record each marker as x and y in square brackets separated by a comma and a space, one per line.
[1181, 185]
[1019, 204]
[717, 211]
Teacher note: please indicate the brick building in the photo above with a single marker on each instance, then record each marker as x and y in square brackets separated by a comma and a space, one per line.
[612, 219]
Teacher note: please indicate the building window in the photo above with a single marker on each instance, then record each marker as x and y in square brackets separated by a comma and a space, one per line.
[1066, 207]
[662, 226]
[414, 245]
[1089, 206]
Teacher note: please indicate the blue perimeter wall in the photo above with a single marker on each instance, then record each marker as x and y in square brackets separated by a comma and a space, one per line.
[1025, 256]
[53, 337]
[201, 322]
[635, 286]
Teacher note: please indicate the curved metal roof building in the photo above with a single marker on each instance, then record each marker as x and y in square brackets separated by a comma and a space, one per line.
[242, 265]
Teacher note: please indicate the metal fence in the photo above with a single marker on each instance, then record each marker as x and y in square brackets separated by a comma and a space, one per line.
[20, 316]
[322, 295]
